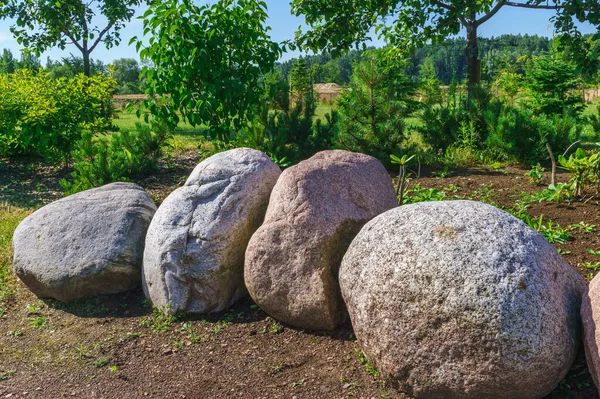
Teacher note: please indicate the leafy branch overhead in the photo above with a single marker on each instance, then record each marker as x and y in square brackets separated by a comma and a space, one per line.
[43, 24]
[209, 59]
[336, 25]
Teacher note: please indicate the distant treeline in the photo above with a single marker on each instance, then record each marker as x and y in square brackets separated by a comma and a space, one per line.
[446, 58]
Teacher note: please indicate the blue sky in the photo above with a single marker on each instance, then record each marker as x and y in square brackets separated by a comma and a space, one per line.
[284, 25]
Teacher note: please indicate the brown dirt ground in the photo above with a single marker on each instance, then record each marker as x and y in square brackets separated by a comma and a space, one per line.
[103, 347]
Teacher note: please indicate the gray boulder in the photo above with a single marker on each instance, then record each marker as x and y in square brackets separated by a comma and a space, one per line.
[590, 317]
[316, 209]
[194, 257]
[459, 299]
[89, 243]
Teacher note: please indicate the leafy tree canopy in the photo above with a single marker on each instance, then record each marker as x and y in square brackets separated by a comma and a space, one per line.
[207, 60]
[42, 24]
[338, 24]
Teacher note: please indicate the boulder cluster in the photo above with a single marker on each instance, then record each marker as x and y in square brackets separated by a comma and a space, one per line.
[453, 299]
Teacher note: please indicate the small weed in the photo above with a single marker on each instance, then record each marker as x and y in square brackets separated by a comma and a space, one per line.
[7, 374]
[583, 226]
[15, 333]
[2, 312]
[277, 368]
[593, 252]
[33, 308]
[102, 361]
[590, 276]
[296, 383]
[38, 322]
[113, 368]
[591, 266]
[274, 328]
[227, 318]
[536, 174]
[563, 252]
[550, 230]
[158, 321]
[362, 359]
[442, 174]
[218, 330]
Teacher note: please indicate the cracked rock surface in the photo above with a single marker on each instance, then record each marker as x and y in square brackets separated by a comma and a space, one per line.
[89, 243]
[458, 299]
[316, 209]
[194, 256]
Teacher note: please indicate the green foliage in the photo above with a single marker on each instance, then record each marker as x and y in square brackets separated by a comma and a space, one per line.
[402, 162]
[584, 169]
[301, 82]
[116, 157]
[42, 116]
[536, 174]
[553, 83]
[158, 321]
[372, 113]
[207, 61]
[289, 137]
[550, 230]
[10, 217]
[42, 24]
[338, 24]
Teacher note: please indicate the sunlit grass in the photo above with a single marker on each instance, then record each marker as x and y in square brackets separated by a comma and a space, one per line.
[10, 217]
[185, 137]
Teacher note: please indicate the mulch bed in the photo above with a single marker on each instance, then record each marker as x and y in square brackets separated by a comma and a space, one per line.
[111, 347]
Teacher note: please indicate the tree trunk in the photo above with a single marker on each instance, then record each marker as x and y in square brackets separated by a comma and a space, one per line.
[86, 63]
[473, 62]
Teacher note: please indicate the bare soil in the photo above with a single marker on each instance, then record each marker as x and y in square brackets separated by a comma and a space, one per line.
[115, 347]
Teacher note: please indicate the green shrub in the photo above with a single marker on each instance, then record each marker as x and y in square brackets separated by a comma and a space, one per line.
[102, 159]
[372, 113]
[45, 117]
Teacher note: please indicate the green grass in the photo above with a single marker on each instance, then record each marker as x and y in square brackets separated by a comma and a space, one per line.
[185, 137]
[10, 217]
[591, 108]
[321, 110]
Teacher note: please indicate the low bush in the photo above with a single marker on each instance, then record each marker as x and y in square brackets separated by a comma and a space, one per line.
[102, 159]
[45, 117]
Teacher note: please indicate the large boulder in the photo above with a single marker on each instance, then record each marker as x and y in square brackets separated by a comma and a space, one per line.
[459, 299]
[194, 257]
[316, 209]
[89, 243]
[590, 317]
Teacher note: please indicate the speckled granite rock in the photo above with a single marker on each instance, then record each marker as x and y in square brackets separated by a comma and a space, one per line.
[194, 257]
[316, 209]
[458, 299]
[89, 243]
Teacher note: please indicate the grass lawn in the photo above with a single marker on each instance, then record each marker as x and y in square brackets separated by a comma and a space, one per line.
[10, 216]
[185, 137]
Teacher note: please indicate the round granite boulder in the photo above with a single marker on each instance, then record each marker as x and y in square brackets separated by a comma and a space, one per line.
[194, 257]
[590, 316]
[316, 209]
[89, 243]
[458, 299]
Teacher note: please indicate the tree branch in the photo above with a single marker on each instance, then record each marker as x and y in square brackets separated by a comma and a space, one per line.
[535, 6]
[492, 12]
[67, 33]
[102, 33]
[451, 9]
